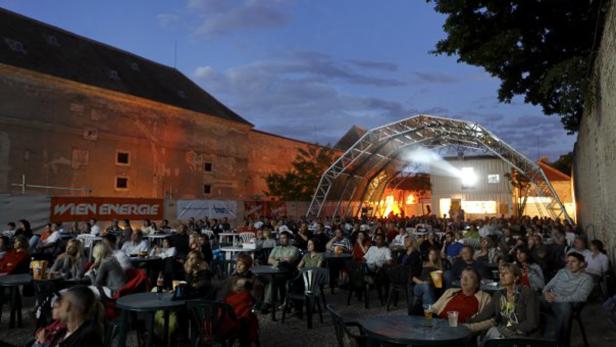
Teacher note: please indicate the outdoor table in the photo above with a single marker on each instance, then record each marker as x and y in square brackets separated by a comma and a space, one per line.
[335, 262]
[414, 330]
[148, 303]
[157, 238]
[147, 262]
[489, 287]
[223, 236]
[13, 282]
[272, 272]
[230, 252]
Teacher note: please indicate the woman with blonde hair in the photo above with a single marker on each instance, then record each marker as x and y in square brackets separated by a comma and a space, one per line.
[106, 272]
[70, 264]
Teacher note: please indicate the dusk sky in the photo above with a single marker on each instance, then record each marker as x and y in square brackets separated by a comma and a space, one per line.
[310, 69]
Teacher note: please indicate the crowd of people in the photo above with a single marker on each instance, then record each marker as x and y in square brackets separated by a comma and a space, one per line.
[540, 264]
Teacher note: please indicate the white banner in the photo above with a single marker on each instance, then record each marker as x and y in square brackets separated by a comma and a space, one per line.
[206, 208]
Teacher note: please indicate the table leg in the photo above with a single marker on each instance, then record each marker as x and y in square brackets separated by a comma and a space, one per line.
[150, 341]
[123, 329]
[274, 297]
[166, 335]
[19, 304]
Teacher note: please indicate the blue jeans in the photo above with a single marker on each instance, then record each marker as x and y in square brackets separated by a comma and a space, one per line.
[562, 312]
[425, 292]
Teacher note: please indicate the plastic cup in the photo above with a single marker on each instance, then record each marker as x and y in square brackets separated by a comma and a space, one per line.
[427, 311]
[452, 317]
[437, 278]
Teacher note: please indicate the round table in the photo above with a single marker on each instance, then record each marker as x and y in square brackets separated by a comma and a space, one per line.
[335, 264]
[272, 272]
[148, 303]
[13, 282]
[414, 330]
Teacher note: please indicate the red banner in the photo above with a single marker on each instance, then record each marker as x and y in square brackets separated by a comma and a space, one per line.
[277, 209]
[66, 209]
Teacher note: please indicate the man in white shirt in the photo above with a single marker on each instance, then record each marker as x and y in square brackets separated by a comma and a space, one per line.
[10, 231]
[136, 245]
[378, 255]
[50, 240]
[398, 241]
[94, 229]
[597, 263]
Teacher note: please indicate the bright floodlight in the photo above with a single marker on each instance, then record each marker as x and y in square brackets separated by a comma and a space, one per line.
[468, 177]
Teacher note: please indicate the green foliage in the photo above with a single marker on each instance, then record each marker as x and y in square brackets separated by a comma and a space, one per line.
[300, 182]
[542, 50]
[564, 163]
[521, 186]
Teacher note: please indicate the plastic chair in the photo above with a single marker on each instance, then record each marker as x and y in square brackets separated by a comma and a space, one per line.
[576, 314]
[399, 282]
[520, 342]
[214, 322]
[247, 236]
[209, 233]
[307, 286]
[357, 281]
[344, 336]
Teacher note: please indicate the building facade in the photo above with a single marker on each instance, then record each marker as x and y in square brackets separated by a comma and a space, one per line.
[88, 119]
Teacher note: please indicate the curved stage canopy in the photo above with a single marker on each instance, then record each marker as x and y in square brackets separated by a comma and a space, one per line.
[363, 172]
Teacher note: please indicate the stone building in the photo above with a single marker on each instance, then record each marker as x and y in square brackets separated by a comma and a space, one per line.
[76, 113]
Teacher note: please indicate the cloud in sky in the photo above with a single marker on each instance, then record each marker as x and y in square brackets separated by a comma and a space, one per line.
[435, 77]
[218, 17]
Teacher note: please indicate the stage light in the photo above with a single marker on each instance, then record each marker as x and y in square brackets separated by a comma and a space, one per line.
[468, 177]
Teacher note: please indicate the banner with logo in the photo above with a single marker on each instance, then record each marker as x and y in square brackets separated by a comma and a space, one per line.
[66, 209]
[255, 209]
[200, 209]
[277, 209]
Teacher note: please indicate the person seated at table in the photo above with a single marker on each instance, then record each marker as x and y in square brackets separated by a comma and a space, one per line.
[487, 254]
[268, 240]
[17, 259]
[106, 272]
[127, 232]
[114, 228]
[312, 258]
[70, 264]
[452, 247]
[26, 231]
[82, 314]
[198, 276]
[398, 240]
[181, 241]
[165, 251]
[111, 241]
[468, 300]
[361, 246]
[379, 255]
[5, 242]
[47, 242]
[339, 242]
[597, 263]
[165, 226]
[465, 260]
[303, 235]
[95, 229]
[531, 273]
[242, 279]
[10, 230]
[52, 334]
[320, 237]
[423, 285]
[283, 254]
[148, 227]
[137, 245]
[513, 310]
[201, 243]
[571, 286]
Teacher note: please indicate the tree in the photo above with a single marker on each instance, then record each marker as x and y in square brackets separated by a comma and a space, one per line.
[521, 187]
[300, 182]
[543, 50]
[564, 163]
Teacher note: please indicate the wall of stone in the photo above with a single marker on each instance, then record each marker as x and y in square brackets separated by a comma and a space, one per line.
[595, 150]
[61, 133]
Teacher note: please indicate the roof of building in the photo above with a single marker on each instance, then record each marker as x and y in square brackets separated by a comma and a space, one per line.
[551, 173]
[40, 47]
[349, 139]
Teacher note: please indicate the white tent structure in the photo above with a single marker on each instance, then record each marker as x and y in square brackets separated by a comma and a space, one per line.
[363, 172]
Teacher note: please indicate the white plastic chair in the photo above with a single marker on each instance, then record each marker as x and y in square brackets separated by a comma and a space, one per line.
[247, 237]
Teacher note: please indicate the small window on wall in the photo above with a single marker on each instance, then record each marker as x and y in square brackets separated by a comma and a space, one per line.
[122, 158]
[207, 167]
[494, 178]
[121, 183]
[207, 189]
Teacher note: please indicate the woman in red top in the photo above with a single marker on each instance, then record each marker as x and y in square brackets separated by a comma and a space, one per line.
[467, 301]
[361, 246]
[16, 259]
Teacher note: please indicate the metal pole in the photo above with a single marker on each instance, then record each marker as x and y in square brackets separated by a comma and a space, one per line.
[23, 184]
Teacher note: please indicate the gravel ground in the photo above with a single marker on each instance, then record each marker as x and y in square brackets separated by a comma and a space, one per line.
[295, 333]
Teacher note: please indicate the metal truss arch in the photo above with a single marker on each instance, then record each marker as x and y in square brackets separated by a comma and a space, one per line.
[375, 158]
